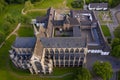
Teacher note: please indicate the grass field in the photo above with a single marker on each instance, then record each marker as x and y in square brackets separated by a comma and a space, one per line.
[49, 3]
[34, 14]
[69, 3]
[105, 30]
[26, 31]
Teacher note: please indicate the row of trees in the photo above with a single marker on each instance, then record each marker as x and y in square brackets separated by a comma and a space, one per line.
[116, 43]
[100, 69]
[77, 4]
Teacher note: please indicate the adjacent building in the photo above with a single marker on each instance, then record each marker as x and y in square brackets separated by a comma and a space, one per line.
[61, 40]
[98, 6]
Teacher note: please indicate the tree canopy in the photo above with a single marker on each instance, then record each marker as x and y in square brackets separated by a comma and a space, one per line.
[103, 70]
[77, 4]
[116, 43]
[83, 74]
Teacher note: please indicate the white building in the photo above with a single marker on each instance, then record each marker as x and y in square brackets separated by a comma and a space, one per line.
[98, 6]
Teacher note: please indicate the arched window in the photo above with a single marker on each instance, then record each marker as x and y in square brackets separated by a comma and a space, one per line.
[56, 51]
[72, 50]
[77, 51]
[61, 51]
[66, 51]
[82, 50]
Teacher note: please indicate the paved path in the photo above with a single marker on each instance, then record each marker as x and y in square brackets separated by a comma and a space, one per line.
[32, 10]
[13, 32]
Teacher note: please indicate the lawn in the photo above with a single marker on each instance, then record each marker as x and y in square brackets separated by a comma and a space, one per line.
[34, 14]
[105, 30]
[49, 3]
[69, 3]
[26, 31]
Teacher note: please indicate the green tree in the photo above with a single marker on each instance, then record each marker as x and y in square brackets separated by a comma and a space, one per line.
[28, 5]
[77, 4]
[115, 42]
[116, 51]
[2, 5]
[7, 27]
[9, 18]
[2, 37]
[103, 70]
[83, 74]
[117, 32]
[26, 19]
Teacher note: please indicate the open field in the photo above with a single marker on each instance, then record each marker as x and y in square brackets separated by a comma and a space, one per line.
[49, 3]
[105, 30]
[68, 3]
[34, 14]
[26, 31]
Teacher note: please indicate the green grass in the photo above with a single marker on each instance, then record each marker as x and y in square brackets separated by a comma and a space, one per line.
[49, 3]
[63, 70]
[26, 31]
[69, 3]
[105, 30]
[34, 14]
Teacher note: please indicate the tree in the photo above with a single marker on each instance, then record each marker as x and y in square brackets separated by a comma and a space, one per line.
[103, 70]
[9, 18]
[2, 37]
[6, 27]
[26, 19]
[117, 32]
[115, 42]
[83, 74]
[77, 4]
[28, 5]
[2, 5]
[116, 51]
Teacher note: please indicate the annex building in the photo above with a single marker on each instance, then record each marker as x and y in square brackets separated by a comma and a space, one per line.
[61, 40]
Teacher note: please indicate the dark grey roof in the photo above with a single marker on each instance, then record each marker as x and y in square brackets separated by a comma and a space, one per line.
[24, 42]
[73, 21]
[98, 5]
[76, 31]
[40, 19]
[63, 42]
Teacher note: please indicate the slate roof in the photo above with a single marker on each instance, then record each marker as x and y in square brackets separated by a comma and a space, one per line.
[24, 42]
[40, 19]
[73, 21]
[63, 42]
